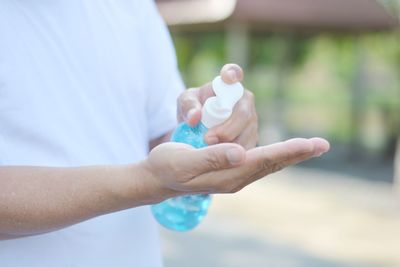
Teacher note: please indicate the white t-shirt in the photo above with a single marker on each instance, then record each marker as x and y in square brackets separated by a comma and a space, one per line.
[85, 82]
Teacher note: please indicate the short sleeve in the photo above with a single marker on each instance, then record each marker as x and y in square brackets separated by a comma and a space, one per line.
[163, 80]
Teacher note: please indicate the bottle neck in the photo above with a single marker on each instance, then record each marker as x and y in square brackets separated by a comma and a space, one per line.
[213, 113]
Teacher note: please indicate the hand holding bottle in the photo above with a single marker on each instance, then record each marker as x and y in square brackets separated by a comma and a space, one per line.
[219, 112]
[186, 212]
[240, 128]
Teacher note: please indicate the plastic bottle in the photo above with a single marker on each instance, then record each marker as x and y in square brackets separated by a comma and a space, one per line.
[186, 212]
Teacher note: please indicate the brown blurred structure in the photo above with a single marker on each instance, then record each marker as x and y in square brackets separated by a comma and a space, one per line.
[239, 17]
[336, 15]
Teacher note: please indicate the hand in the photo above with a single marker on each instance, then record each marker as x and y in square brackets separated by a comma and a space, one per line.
[240, 128]
[178, 169]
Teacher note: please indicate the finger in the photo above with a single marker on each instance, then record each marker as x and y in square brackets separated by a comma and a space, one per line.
[293, 154]
[249, 137]
[272, 158]
[243, 114]
[260, 162]
[281, 152]
[321, 146]
[191, 101]
[189, 107]
[206, 91]
[212, 158]
[231, 73]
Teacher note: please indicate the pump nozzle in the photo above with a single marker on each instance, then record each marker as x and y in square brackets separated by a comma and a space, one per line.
[218, 109]
[228, 94]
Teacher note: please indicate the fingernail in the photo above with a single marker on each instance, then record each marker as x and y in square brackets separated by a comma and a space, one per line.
[232, 75]
[212, 140]
[235, 156]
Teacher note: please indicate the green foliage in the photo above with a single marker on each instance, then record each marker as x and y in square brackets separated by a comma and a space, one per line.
[316, 90]
[267, 49]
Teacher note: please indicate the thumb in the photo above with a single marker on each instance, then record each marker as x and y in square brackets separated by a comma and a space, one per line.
[231, 73]
[212, 158]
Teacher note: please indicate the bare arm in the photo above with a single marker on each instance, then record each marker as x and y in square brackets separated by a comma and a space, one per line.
[35, 200]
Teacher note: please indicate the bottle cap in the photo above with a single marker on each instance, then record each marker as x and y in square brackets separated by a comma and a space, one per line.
[218, 109]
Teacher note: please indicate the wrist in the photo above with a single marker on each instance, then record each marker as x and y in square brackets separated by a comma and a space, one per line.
[153, 184]
[138, 185]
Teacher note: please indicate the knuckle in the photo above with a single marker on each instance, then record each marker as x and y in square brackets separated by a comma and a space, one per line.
[213, 161]
[266, 164]
[246, 112]
[250, 96]
[265, 168]
[269, 166]
[182, 96]
[276, 167]
[187, 96]
[186, 102]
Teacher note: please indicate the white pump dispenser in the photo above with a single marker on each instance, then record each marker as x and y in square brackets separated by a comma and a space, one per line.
[218, 109]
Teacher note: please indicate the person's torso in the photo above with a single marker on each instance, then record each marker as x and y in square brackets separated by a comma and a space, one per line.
[73, 92]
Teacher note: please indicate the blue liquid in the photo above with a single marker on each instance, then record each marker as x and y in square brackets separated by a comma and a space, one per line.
[186, 212]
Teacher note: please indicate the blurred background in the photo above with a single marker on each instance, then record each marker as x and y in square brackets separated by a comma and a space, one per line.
[327, 68]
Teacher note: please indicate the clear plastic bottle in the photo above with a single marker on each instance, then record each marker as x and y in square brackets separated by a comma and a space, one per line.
[186, 212]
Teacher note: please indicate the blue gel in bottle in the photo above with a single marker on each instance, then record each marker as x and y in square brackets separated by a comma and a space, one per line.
[184, 213]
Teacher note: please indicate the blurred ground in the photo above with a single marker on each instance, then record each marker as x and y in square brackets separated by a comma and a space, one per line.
[296, 218]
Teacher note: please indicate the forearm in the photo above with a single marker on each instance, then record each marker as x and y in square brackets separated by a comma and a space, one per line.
[36, 200]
